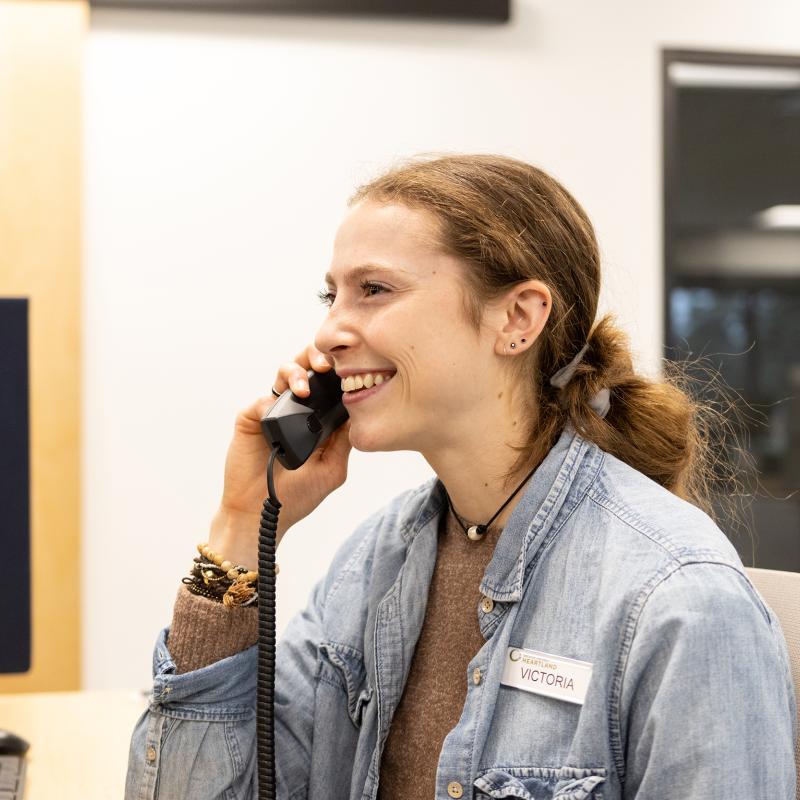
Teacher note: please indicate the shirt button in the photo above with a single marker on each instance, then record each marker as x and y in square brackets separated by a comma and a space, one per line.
[455, 789]
[151, 754]
[487, 604]
[476, 675]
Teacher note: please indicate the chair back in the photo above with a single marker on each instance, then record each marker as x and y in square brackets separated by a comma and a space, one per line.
[781, 591]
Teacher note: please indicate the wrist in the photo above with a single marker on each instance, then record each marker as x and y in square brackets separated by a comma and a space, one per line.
[234, 534]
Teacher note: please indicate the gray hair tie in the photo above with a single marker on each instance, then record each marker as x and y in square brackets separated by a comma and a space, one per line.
[601, 402]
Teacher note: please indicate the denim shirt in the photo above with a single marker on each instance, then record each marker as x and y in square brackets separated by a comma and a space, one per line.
[690, 694]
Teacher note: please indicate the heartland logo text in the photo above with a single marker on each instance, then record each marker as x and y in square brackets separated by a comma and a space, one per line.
[516, 655]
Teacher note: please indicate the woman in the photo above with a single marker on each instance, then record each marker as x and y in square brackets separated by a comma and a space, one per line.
[551, 615]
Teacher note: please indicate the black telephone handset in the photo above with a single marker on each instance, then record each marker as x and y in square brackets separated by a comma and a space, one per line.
[293, 427]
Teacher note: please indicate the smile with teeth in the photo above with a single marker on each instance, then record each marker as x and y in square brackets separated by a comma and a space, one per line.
[367, 380]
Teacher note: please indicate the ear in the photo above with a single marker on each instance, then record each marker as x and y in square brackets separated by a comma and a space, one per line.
[521, 316]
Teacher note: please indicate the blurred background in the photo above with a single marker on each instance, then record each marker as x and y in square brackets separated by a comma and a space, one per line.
[171, 181]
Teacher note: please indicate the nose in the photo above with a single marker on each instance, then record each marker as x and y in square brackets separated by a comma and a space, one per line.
[336, 334]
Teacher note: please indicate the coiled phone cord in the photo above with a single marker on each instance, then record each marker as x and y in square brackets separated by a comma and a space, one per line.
[265, 687]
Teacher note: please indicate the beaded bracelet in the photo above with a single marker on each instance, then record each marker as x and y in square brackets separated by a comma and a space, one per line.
[220, 588]
[224, 582]
[217, 579]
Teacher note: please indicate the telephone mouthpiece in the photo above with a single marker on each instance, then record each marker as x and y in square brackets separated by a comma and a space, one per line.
[296, 426]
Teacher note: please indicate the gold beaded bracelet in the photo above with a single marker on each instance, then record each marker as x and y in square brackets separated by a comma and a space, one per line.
[240, 582]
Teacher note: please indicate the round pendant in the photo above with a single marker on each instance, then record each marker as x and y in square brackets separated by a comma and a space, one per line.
[474, 534]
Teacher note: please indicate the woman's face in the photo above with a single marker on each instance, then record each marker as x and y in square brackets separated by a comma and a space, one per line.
[396, 305]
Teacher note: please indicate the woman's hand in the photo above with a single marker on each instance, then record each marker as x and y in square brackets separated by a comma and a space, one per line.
[234, 529]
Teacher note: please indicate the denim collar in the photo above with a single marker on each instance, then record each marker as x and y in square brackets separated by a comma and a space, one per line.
[555, 489]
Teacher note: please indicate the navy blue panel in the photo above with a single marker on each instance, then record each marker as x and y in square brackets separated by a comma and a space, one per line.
[487, 10]
[15, 585]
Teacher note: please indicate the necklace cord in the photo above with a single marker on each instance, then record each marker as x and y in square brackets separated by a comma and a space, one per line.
[483, 528]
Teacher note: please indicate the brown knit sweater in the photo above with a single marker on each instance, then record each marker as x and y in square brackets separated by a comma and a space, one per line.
[204, 631]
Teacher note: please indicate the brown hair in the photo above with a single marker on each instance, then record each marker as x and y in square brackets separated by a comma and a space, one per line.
[509, 222]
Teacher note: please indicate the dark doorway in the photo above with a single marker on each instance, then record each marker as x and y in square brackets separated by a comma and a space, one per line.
[732, 263]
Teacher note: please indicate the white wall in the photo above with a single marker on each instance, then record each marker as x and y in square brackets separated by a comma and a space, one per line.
[219, 151]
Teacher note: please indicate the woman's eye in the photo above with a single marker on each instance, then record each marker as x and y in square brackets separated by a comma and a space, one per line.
[326, 298]
[368, 286]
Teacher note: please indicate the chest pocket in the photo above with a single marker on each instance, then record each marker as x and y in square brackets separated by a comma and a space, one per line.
[343, 666]
[541, 783]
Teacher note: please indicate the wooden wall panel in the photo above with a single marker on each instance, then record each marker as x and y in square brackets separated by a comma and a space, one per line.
[41, 46]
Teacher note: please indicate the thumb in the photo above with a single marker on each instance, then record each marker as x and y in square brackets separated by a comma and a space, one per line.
[338, 445]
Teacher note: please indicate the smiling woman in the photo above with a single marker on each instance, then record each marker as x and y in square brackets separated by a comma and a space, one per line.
[552, 614]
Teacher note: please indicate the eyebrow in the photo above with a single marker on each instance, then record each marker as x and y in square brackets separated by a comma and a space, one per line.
[355, 274]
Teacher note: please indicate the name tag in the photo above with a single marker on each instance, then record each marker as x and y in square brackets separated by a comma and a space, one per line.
[543, 673]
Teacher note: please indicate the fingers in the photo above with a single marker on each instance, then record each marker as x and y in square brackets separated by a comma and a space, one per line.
[294, 374]
[254, 412]
[318, 361]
